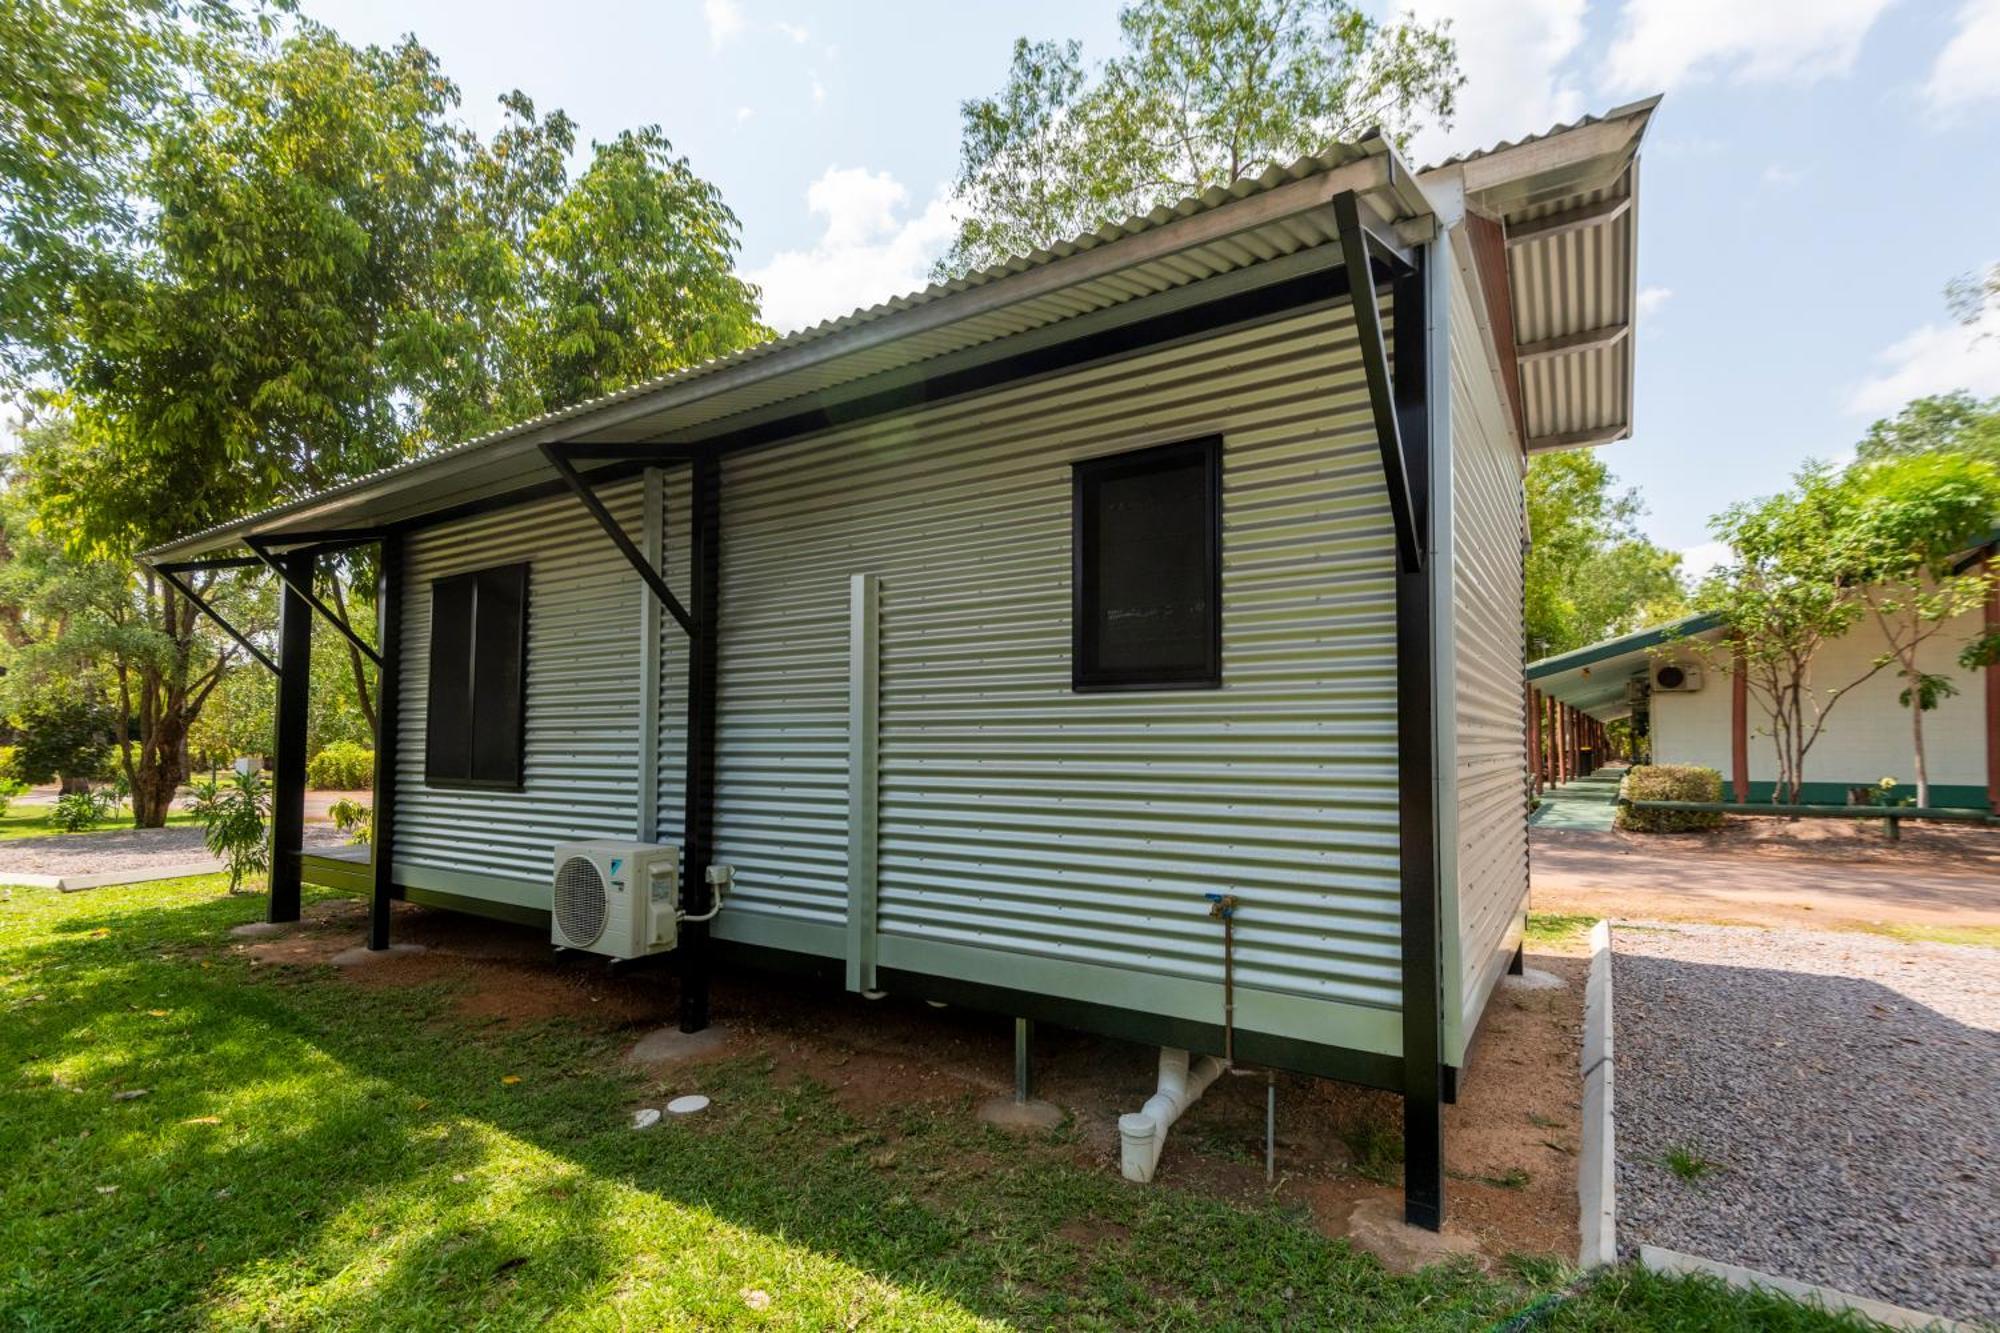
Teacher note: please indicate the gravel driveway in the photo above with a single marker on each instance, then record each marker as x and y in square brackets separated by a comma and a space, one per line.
[1845, 1087]
[122, 849]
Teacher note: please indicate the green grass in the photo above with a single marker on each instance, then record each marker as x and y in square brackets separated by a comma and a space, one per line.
[1558, 928]
[1984, 937]
[312, 1153]
[32, 821]
[1688, 1163]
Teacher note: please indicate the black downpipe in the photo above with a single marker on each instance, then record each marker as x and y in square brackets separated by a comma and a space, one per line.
[288, 799]
[698, 831]
[388, 689]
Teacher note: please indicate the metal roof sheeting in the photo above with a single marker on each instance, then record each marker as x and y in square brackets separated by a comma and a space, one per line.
[1251, 223]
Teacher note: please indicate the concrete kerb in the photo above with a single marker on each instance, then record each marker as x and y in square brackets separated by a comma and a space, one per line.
[1597, 1159]
[1826, 1298]
[103, 879]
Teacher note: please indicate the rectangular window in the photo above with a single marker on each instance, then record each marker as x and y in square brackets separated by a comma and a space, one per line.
[478, 688]
[1146, 550]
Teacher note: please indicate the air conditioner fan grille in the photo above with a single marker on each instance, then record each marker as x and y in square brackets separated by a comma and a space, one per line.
[580, 901]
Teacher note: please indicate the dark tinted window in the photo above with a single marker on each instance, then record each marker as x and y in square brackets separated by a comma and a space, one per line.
[479, 642]
[1148, 569]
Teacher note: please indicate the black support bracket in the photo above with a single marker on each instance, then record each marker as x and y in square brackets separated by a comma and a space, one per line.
[303, 587]
[559, 456]
[1360, 250]
[171, 572]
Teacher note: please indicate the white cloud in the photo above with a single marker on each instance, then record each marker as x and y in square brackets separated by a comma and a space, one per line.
[1781, 177]
[744, 113]
[1511, 52]
[1933, 359]
[724, 19]
[1661, 43]
[1651, 299]
[1697, 561]
[1968, 69]
[818, 91]
[873, 248]
[792, 30]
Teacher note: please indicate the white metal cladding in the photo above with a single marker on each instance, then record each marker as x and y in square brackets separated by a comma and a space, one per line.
[1016, 815]
[1488, 715]
[672, 746]
[583, 684]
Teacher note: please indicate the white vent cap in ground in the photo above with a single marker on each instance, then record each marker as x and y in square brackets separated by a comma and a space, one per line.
[688, 1105]
[645, 1118]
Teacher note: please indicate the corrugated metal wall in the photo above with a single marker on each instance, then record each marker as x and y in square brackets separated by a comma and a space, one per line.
[1490, 717]
[674, 657]
[1017, 815]
[584, 698]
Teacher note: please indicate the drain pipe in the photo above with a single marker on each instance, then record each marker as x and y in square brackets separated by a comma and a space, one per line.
[1143, 1133]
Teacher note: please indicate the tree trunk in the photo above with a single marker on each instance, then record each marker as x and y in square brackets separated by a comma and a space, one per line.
[1917, 736]
[158, 774]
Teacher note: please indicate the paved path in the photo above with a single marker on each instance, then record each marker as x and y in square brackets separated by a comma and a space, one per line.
[1841, 1086]
[1586, 804]
[120, 849]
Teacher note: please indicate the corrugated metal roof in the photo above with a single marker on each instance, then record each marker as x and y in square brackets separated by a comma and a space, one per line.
[1255, 221]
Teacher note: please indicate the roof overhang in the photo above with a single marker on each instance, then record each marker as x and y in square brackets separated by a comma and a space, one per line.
[1594, 679]
[1277, 226]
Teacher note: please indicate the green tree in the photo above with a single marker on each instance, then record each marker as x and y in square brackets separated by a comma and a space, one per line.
[81, 81]
[1953, 422]
[1785, 595]
[64, 731]
[1204, 93]
[1589, 572]
[1910, 520]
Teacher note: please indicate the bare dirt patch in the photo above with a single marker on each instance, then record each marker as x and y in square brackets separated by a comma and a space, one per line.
[1510, 1140]
[1825, 874]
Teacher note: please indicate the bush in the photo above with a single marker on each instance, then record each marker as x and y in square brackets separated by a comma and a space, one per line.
[80, 810]
[7, 773]
[352, 818]
[233, 818]
[342, 766]
[9, 789]
[1669, 782]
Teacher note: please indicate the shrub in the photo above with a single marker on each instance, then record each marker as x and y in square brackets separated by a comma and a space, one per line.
[342, 766]
[353, 819]
[77, 811]
[1669, 782]
[9, 789]
[232, 816]
[7, 773]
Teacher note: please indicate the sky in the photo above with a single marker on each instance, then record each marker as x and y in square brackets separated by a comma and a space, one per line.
[1817, 173]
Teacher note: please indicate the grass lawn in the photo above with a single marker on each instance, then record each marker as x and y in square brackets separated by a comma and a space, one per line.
[313, 1152]
[32, 821]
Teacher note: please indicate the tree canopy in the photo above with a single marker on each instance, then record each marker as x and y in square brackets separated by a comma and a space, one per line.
[1954, 422]
[1204, 92]
[1590, 573]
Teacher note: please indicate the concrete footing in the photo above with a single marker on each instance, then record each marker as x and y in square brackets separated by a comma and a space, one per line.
[260, 930]
[666, 1046]
[1020, 1117]
[1377, 1226]
[361, 955]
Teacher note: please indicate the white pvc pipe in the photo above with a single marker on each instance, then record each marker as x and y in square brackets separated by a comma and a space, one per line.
[1143, 1133]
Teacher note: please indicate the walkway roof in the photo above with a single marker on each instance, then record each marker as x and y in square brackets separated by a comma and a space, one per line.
[1593, 678]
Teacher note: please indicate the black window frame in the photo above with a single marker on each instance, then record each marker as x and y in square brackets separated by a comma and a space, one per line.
[478, 723]
[1087, 674]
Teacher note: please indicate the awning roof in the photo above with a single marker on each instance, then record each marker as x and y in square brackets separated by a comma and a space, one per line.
[1593, 678]
[1570, 272]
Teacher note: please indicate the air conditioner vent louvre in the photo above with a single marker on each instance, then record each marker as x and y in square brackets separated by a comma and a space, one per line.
[580, 907]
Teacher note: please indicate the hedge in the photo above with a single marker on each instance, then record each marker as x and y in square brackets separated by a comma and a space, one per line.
[1669, 782]
[342, 766]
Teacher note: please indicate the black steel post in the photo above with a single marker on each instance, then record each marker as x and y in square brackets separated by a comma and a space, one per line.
[1416, 761]
[288, 799]
[698, 831]
[388, 688]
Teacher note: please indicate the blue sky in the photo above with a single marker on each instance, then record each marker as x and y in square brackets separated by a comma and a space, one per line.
[1818, 171]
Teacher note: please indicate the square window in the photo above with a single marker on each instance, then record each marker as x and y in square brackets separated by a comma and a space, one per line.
[473, 733]
[1146, 534]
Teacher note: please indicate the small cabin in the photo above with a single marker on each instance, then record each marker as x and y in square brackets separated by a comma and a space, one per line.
[1127, 637]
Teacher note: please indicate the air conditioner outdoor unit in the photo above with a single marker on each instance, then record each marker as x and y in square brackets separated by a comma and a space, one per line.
[1636, 690]
[616, 898]
[1676, 677]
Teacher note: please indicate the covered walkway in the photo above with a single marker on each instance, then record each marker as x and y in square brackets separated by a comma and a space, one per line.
[1585, 803]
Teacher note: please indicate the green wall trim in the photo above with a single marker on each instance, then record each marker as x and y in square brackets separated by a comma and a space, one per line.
[763, 930]
[334, 873]
[497, 911]
[1333, 1023]
[1944, 795]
